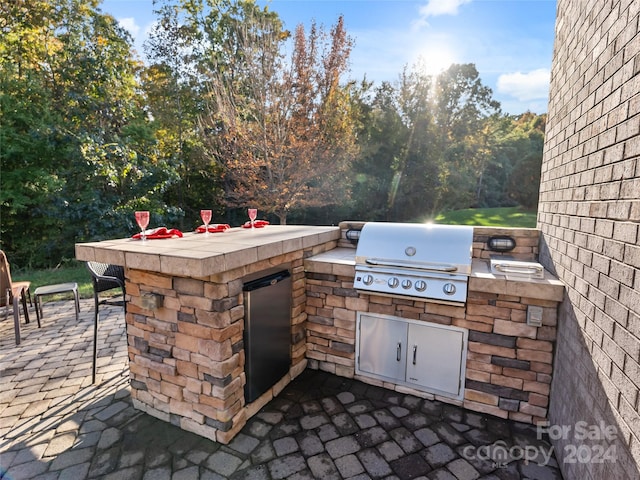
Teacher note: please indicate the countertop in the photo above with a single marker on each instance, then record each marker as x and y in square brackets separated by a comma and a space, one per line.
[483, 280]
[341, 261]
[198, 255]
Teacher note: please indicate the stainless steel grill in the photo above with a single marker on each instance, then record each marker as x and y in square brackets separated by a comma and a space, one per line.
[419, 261]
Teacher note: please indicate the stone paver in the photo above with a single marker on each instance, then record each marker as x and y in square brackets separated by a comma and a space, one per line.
[56, 425]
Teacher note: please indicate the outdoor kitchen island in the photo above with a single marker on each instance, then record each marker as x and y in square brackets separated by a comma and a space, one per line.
[185, 318]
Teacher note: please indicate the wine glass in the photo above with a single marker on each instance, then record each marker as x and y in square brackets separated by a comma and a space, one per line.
[206, 218]
[142, 219]
[253, 213]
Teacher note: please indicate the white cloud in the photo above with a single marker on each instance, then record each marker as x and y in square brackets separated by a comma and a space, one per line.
[433, 8]
[130, 25]
[525, 86]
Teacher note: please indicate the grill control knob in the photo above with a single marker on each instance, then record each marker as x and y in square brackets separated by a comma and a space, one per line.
[421, 285]
[367, 279]
[449, 288]
[406, 284]
[393, 282]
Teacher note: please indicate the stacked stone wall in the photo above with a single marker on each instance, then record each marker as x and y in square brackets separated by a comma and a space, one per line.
[187, 355]
[527, 240]
[509, 363]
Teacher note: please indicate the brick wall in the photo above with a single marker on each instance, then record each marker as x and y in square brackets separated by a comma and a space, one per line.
[589, 215]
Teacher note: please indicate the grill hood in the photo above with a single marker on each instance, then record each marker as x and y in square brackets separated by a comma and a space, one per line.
[443, 248]
[421, 261]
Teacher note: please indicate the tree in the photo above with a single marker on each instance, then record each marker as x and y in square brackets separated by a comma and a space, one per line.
[381, 137]
[415, 171]
[283, 132]
[28, 136]
[495, 165]
[526, 142]
[427, 143]
[461, 106]
[68, 97]
[179, 51]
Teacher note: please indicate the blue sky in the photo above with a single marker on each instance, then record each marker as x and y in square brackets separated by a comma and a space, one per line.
[509, 41]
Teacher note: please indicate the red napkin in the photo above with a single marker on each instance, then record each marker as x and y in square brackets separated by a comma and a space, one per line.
[160, 232]
[256, 224]
[216, 227]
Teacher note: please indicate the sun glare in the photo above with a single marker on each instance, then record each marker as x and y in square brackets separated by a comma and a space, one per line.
[435, 58]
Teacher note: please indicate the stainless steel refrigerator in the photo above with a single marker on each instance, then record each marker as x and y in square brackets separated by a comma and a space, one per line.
[267, 332]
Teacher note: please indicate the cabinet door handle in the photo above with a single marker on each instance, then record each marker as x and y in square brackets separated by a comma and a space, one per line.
[415, 352]
[398, 351]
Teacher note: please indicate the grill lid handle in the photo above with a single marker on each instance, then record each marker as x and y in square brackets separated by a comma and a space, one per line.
[439, 267]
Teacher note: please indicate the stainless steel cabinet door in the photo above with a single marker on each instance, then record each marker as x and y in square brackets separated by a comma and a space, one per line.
[434, 358]
[382, 348]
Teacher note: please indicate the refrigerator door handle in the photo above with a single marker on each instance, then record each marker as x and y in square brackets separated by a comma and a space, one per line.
[267, 281]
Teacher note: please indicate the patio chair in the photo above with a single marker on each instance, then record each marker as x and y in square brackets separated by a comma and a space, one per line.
[45, 290]
[105, 277]
[12, 293]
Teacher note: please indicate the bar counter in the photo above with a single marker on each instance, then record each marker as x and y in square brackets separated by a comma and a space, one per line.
[185, 318]
[198, 255]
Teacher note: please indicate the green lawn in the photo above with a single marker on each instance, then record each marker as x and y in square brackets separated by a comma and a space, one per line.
[490, 217]
[73, 272]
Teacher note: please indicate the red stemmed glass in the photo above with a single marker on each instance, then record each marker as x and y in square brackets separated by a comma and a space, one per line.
[206, 218]
[142, 219]
[253, 214]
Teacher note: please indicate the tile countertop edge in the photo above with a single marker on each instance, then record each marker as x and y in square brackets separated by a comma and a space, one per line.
[123, 252]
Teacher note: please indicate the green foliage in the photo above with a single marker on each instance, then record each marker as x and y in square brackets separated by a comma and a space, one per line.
[429, 143]
[382, 136]
[90, 134]
[175, 96]
[525, 141]
[76, 149]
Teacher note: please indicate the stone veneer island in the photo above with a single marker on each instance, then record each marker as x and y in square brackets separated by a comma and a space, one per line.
[185, 318]
[185, 322]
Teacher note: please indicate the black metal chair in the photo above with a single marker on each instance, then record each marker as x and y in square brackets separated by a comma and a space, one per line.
[105, 277]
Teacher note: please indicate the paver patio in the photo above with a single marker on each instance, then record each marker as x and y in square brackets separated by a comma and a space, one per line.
[54, 424]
